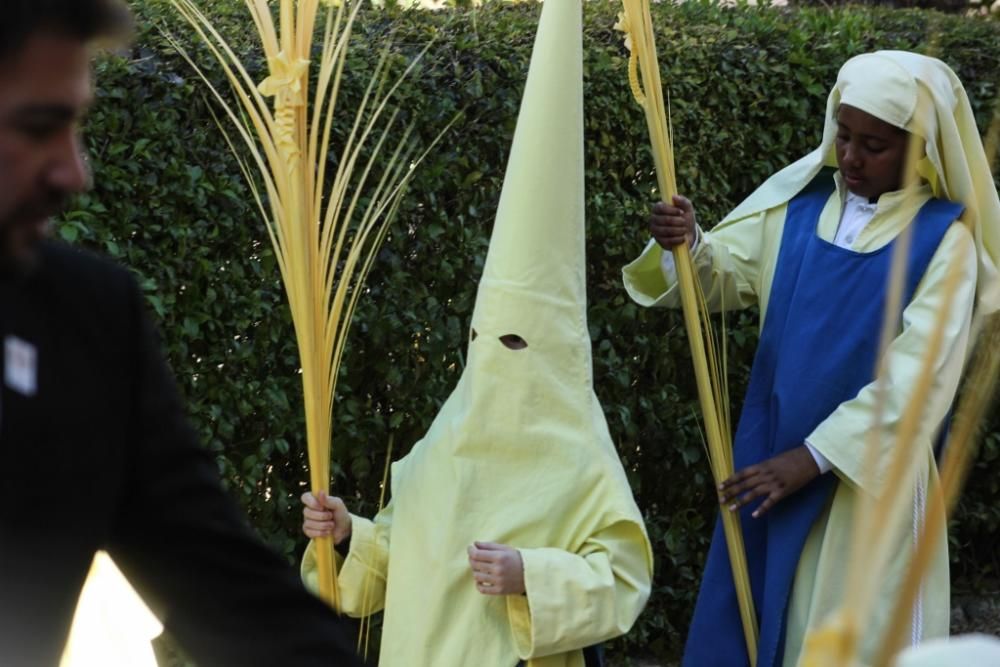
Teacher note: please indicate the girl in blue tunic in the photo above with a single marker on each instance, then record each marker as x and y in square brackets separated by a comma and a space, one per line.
[812, 247]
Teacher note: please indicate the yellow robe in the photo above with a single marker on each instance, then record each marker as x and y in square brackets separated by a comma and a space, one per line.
[519, 454]
[572, 599]
[735, 263]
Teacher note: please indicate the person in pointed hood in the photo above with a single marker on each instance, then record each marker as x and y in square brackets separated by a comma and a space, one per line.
[512, 534]
[812, 247]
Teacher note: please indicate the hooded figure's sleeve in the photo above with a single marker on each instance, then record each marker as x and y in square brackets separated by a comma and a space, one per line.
[727, 262]
[575, 600]
[840, 436]
[361, 574]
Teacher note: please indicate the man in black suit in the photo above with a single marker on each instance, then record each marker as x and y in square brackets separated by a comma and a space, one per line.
[94, 449]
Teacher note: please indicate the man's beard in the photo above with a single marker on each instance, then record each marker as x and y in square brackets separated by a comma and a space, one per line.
[22, 233]
[19, 249]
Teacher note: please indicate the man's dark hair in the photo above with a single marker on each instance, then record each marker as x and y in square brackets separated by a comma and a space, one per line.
[86, 20]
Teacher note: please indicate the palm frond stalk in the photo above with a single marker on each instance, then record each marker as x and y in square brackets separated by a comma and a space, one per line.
[710, 374]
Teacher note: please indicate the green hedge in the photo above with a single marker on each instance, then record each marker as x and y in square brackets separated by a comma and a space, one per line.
[748, 88]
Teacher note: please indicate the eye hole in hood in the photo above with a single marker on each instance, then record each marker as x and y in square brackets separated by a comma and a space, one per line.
[510, 341]
[513, 342]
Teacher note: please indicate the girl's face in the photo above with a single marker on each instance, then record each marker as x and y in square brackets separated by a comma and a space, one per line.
[870, 152]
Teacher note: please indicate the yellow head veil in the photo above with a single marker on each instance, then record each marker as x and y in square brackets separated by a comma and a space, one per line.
[923, 96]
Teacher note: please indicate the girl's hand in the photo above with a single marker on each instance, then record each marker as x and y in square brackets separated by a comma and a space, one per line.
[774, 479]
[672, 225]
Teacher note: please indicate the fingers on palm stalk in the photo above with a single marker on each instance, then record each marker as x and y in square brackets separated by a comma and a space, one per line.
[496, 569]
[773, 480]
[672, 224]
[325, 516]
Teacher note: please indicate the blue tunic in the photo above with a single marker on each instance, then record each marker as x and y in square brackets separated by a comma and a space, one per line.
[817, 349]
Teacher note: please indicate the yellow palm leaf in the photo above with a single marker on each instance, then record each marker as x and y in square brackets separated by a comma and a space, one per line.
[324, 242]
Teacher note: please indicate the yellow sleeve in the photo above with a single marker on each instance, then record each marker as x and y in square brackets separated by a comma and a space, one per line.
[361, 575]
[841, 437]
[727, 261]
[574, 600]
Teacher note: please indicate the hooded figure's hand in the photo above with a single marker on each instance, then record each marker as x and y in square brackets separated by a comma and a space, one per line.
[497, 569]
[325, 516]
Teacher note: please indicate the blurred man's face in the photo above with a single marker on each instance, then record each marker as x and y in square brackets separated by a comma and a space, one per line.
[45, 89]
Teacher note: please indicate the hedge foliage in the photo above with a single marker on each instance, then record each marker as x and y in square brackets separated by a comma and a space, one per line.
[748, 87]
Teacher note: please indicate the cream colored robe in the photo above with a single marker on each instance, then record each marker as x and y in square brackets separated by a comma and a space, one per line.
[735, 264]
[571, 598]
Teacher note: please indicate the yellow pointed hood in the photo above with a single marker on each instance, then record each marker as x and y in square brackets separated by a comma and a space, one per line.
[534, 281]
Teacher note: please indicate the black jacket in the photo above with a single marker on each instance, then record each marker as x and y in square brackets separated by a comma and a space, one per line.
[95, 453]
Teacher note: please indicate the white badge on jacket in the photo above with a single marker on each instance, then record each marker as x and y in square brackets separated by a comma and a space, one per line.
[20, 366]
